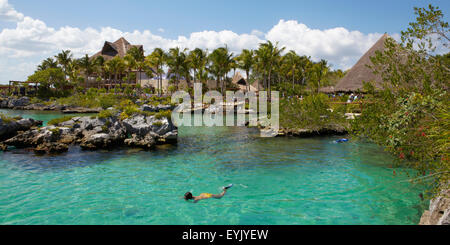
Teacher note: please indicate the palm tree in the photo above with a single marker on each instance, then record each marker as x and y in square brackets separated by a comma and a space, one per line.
[157, 59]
[203, 74]
[139, 57]
[268, 55]
[130, 64]
[176, 61]
[221, 63]
[198, 59]
[214, 67]
[186, 69]
[261, 65]
[73, 72]
[140, 66]
[245, 62]
[149, 72]
[47, 63]
[292, 63]
[305, 66]
[99, 66]
[116, 66]
[87, 65]
[137, 53]
[321, 71]
[64, 58]
[234, 65]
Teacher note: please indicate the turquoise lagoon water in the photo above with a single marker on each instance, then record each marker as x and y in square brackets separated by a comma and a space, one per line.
[276, 181]
[44, 116]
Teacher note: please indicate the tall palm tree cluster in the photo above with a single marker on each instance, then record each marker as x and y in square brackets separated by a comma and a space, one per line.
[267, 65]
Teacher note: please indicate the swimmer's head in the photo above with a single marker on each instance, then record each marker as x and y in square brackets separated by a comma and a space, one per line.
[188, 196]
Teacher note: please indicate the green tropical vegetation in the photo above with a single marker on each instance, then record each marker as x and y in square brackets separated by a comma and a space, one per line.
[291, 74]
[410, 116]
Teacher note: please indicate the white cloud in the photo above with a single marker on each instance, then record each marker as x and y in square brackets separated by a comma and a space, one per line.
[338, 45]
[258, 33]
[32, 40]
[8, 13]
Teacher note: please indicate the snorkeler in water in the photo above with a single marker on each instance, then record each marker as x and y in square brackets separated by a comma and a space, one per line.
[188, 196]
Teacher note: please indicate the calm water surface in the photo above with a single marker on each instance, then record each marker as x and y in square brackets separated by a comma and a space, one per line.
[276, 181]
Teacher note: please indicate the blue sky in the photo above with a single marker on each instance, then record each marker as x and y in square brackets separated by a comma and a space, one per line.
[339, 31]
[181, 17]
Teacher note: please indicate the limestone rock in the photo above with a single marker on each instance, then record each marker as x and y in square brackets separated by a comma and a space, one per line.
[96, 133]
[146, 142]
[3, 147]
[11, 128]
[439, 211]
[19, 102]
[51, 148]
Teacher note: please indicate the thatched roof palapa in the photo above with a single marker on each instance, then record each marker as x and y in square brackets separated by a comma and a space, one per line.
[119, 47]
[327, 90]
[360, 73]
[239, 79]
[242, 83]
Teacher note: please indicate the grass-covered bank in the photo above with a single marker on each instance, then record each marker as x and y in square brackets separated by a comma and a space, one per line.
[313, 112]
[98, 98]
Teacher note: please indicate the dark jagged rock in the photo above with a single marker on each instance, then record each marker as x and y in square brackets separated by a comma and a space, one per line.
[10, 128]
[98, 133]
[324, 131]
[19, 102]
[24, 103]
[73, 110]
[98, 141]
[169, 138]
[51, 148]
[42, 107]
[158, 108]
[147, 141]
[35, 137]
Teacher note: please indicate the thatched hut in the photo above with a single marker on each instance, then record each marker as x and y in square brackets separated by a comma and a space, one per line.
[243, 85]
[239, 79]
[119, 47]
[354, 79]
[327, 90]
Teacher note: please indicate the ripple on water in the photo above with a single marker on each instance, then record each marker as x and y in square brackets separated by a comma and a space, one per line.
[277, 181]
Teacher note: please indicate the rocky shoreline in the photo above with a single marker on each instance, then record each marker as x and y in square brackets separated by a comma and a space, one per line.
[439, 210]
[140, 131]
[92, 133]
[331, 130]
[24, 103]
[324, 131]
[12, 127]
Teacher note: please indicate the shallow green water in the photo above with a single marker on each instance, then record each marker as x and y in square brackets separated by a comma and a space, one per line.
[44, 116]
[276, 181]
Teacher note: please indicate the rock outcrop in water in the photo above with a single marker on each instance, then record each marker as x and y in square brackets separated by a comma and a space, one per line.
[10, 128]
[439, 211]
[93, 133]
[11, 102]
[304, 133]
[24, 103]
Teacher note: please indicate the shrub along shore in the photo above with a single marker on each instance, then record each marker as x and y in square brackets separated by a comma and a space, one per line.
[409, 116]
